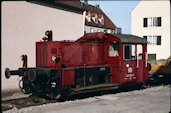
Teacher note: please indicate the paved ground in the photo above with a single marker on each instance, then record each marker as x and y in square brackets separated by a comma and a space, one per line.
[151, 100]
[12, 93]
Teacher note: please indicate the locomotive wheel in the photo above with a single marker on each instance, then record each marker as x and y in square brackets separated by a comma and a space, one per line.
[31, 75]
[26, 91]
[53, 96]
[58, 96]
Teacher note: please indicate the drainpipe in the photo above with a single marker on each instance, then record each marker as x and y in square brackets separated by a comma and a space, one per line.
[84, 13]
[85, 1]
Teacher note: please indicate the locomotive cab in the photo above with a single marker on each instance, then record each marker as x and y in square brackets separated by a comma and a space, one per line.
[129, 59]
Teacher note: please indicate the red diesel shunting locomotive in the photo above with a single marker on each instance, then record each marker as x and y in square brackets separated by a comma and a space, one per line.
[96, 61]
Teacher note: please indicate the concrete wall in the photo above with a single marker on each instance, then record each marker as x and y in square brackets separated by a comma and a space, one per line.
[23, 24]
[96, 29]
[87, 29]
[154, 9]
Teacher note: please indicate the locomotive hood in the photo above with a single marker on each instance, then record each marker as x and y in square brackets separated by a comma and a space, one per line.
[100, 36]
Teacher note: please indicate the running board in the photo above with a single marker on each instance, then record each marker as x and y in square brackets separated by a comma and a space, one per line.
[92, 88]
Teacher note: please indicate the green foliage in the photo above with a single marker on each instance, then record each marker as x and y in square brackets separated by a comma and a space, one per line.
[162, 60]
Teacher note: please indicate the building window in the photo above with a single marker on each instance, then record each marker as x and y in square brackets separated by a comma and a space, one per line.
[102, 21]
[96, 20]
[152, 21]
[118, 30]
[91, 30]
[153, 39]
[99, 30]
[113, 31]
[151, 57]
[89, 18]
[109, 31]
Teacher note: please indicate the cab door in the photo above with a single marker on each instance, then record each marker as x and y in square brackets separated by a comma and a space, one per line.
[139, 64]
[113, 59]
[129, 63]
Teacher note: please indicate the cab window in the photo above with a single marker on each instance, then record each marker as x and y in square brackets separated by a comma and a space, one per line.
[129, 52]
[113, 49]
[139, 51]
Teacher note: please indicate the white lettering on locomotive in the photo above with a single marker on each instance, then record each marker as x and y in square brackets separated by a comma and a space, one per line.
[130, 76]
[102, 69]
[129, 69]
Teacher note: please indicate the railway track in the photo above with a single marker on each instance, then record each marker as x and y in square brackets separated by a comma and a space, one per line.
[24, 102]
[35, 100]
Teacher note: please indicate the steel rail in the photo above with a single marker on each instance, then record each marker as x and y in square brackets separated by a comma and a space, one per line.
[24, 102]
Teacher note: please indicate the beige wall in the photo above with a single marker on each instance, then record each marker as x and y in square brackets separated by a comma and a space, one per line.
[23, 24]
[154, 9]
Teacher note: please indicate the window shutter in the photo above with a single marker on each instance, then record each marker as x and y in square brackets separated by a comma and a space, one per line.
[159, 21]
[145, 22]
[145, 37]
[158, 40]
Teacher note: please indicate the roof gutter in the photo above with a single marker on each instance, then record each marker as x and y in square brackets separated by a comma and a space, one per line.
[56, 5]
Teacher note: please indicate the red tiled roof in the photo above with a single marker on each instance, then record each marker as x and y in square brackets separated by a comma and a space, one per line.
[108, 24]
[93, 14]
[74, 3]
[99, 16]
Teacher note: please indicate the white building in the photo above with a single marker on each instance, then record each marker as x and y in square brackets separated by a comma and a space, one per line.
[24, 23]
[152, 20]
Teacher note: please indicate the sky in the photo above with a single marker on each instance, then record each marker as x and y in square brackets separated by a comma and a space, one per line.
[119, 12]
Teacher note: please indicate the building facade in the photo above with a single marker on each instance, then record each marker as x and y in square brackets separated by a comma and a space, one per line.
[152, 20]
[24, 23]
[97, 21]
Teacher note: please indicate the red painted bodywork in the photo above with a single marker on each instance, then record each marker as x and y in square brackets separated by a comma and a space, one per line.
[24, 59]
[84, 53]
[68, 77]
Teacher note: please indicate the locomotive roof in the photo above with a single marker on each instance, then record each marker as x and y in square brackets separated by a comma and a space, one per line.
[127, 38]
[124, 38]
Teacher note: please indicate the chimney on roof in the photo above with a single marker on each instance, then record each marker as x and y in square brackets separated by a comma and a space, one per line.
[85, 1]
[97, 6]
